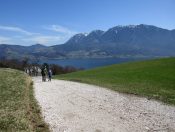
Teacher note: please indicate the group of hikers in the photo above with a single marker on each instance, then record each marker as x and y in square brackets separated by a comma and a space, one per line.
[32, 70]
[45, 72]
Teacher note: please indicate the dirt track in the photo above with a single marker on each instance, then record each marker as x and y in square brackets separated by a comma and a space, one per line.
[76, 107]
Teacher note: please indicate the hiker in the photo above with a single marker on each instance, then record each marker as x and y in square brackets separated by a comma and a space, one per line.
[36, 71]
[27, 70]
[33, 71]
[42, 74]
[50, 74]
[45, 73]
[30, 71]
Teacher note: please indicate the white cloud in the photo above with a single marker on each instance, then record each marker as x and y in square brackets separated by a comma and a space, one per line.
[60, 29]
[60, 36]
[5, 40]
[44, 39]
[63, 34]
[16, 29]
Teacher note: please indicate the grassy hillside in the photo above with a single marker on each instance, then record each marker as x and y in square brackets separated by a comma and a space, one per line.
[153, 78]
[18, 108]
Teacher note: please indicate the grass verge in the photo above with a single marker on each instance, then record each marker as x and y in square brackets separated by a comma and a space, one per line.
[152, 79]
[19, 110]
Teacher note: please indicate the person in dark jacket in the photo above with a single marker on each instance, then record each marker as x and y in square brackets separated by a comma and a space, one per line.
[42, 74]
[50, 74]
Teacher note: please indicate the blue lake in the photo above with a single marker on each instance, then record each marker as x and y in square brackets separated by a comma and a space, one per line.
[89, 63]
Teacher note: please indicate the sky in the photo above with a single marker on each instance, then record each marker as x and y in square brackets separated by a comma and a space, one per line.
[51, 22]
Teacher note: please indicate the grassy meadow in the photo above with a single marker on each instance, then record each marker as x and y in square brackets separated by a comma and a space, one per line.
[153, 78]
[18, 108]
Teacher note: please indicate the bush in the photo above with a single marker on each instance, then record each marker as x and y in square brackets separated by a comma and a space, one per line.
[21, 65]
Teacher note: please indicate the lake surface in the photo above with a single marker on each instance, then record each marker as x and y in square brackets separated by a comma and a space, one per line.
[89, 63]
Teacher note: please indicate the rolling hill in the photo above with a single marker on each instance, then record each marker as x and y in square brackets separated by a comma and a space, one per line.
[153, 78]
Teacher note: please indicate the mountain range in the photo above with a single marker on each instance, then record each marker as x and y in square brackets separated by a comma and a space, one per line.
[120, 41]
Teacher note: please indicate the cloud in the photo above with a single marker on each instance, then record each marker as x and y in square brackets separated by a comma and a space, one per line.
[60, 29]
[5, 40]
[44, 39]
[16, 29]
[59, 35]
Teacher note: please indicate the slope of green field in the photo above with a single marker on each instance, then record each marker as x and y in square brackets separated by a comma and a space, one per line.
[153, 78]
[18, 108]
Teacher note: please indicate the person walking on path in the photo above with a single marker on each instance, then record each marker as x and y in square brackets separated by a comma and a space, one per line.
[50, 74]
[42, 74]
[45, 73]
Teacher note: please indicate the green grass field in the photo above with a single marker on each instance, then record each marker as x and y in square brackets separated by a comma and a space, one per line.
[18, 108]
[152, 79]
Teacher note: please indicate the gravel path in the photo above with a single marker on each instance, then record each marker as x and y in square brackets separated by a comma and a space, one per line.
[76, 107]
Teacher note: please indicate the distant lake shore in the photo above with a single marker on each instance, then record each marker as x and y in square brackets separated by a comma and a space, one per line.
[89, 63]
